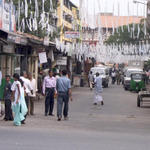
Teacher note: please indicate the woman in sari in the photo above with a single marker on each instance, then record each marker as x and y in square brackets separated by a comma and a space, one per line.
[19, 106]
[98, 90]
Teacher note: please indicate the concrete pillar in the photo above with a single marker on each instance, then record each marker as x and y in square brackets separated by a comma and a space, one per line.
[3, 61]
[12, 65]
[36, 68]
[9, 65]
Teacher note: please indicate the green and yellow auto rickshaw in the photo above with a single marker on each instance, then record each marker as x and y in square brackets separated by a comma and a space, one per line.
[137, 81]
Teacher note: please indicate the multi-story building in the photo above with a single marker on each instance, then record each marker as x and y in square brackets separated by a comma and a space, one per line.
[68, 19]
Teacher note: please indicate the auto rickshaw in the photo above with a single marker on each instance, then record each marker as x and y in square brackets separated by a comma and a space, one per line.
[137, 81]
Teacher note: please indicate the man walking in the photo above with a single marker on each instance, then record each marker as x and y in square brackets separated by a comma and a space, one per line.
[32, 97]
[27, 86]
[63, 87]
[98, 90]
[7, 99]
[49, 87]
[113, 75]
[91, 79]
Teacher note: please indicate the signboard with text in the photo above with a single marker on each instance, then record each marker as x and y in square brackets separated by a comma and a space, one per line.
[148, 14]
[42, 57]
[16, 39]
[62, 61]
[1, 7]
[7, 16]
[6, 19]
[72, 35]
[46, 41]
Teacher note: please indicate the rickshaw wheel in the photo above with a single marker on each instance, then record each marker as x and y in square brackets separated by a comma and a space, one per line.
[138, 101]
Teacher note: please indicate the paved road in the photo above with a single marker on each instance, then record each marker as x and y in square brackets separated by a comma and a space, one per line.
[118, 125]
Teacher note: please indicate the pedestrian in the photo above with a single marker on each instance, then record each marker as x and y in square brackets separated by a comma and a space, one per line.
[0, 77]
[63, 87]
[32, 97]
[91, 79]
[40, 81]
[98, 89]
[19, 105]
[49, 89]
[27, 86]
[7, 99]
[1, 108]
[113, 75]
[118, 76]
[147, 76]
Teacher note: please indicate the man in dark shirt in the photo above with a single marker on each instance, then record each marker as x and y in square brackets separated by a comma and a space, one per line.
[7, 99]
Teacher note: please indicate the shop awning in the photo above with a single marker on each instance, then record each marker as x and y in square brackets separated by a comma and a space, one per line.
[36, 42]
[13, 37]
[10, 54]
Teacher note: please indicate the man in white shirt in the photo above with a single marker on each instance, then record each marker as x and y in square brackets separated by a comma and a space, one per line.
[27, 86]
[32, 96]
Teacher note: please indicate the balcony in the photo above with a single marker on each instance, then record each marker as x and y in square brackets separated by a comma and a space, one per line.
[67, 10]
[67, 24]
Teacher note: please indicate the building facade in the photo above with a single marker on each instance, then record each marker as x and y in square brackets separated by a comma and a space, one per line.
[68, 19]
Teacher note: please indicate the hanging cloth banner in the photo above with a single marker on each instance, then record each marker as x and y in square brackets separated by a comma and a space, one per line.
[51, 6]
[26, 9]
[128, 17]
[138, 34]
[36, 8]
[43, 3]
[112, 20]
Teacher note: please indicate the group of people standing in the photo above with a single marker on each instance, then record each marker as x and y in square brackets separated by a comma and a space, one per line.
[19, 97]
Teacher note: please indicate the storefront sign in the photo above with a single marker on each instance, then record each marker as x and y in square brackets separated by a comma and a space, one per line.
[148, 14]
[7, 16]
[72, 35]
[46, 41]
[42, 57]
[16, 39]
[8, 48]
[62, 61]
[1, 14]
[5, 19]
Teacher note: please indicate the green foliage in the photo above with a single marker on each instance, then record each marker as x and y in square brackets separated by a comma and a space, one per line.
[124, 36]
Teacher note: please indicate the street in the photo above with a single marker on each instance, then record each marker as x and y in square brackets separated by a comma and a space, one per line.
[118, 125]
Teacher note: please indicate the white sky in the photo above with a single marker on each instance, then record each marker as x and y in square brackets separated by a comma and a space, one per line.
[95, 6]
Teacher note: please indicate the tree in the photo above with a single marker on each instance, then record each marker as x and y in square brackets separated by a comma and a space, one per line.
[123, 35]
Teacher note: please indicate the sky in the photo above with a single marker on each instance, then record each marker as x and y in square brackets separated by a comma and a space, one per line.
[126, 7]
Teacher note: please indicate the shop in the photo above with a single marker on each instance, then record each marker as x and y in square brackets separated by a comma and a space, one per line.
[12, 52]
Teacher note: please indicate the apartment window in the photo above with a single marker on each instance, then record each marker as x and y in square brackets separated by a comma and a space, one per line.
[67, 17]
[67, 4]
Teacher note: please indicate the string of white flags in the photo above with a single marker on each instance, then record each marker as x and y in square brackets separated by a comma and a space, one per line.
[103, 53]
[128, 11]
[31, 19]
